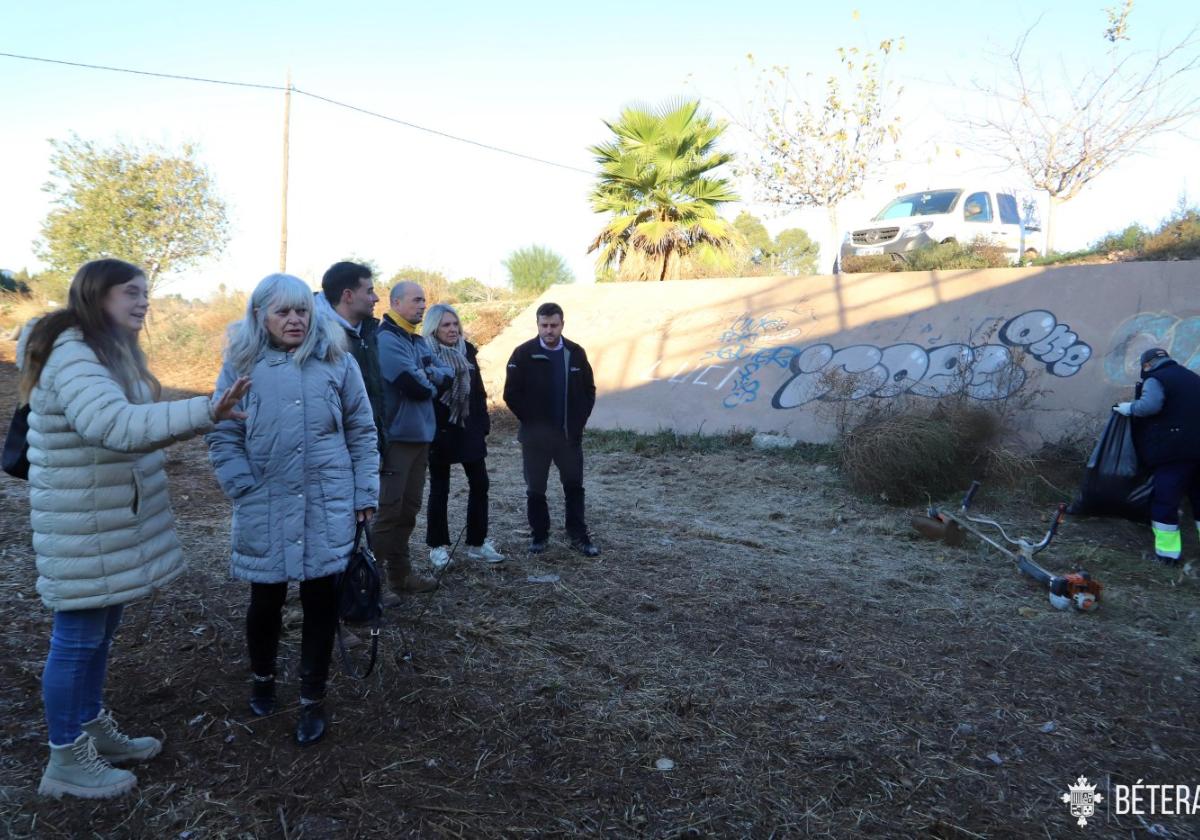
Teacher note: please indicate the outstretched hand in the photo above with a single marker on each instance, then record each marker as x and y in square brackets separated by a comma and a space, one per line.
[226, 407]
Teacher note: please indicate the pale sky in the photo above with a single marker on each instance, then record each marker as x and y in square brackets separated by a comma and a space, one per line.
[533, 77]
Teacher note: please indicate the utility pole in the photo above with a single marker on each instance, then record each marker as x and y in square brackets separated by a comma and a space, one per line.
[287, 119]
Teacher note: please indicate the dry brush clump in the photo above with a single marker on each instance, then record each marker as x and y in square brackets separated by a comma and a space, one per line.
[905, 454]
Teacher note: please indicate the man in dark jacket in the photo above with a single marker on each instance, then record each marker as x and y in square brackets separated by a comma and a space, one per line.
[349, 290]
[550, 389]
[1166, 433]
[411, 378]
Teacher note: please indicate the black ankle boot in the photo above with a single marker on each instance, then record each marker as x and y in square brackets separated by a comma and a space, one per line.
[262, 697]
[312, 724]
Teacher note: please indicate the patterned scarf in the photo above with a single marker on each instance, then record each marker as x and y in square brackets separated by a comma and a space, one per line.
[457, 397]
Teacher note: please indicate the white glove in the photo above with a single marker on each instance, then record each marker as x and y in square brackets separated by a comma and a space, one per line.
[1124, 408]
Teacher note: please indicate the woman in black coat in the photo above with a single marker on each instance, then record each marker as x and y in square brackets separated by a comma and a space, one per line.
[462, 429]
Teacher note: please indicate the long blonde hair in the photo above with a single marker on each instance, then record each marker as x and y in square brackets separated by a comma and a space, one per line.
[118, 350]
[433, 320]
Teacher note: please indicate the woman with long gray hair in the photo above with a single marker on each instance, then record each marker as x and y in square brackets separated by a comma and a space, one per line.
[461, 438]
[302, 468]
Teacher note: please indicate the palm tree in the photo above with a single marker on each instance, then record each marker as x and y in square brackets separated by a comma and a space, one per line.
[654, 182]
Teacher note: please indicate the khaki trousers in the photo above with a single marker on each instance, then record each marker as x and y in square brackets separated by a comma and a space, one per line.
[401, 487]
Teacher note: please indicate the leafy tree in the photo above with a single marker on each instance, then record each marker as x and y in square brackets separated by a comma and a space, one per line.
[1064, 132]
[795, 252]
[156, 208]
[534, 269]
[818, 154]
[656, 185]
[758, 241]
[791, 252]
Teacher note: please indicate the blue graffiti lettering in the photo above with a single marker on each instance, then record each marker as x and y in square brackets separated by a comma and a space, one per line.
[1178, 336]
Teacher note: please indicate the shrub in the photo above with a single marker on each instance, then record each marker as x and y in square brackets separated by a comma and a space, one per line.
[1177, 239]
[873, 264]
[902, 455]
[484, 321]
[949, 255]
[1132, 238]
[470, 290]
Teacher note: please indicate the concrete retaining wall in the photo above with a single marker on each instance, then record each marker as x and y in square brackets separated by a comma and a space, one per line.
[786, 354]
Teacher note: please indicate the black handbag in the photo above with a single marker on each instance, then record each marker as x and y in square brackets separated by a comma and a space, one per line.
[360, 599]
[15, 460]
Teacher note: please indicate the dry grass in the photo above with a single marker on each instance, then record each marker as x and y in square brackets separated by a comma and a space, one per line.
[903, 456]
[484, 321]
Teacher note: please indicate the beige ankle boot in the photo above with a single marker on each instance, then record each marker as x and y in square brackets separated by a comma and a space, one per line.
[115, 746]
[77, 769]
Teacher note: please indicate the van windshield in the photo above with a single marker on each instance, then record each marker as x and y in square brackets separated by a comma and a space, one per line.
[919, 204]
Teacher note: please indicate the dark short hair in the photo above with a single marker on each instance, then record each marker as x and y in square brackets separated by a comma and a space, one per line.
[342, 276]
[549, 310]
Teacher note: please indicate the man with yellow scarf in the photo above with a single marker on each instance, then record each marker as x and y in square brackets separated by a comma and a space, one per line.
[412, 376]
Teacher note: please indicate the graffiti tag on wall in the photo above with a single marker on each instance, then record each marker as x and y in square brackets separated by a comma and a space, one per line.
[745, 332]
[1178, 336]
[988, 371]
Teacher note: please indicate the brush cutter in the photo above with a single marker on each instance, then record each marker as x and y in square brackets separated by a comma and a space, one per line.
[1075, 589]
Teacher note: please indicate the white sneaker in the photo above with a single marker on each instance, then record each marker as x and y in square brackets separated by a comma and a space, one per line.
[439, 557]
[486, 552]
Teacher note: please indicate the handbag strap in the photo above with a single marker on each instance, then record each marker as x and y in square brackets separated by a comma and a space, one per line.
[344, 654]
[362, 531]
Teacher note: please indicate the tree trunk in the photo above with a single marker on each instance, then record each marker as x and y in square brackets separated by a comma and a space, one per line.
[835, 265]
[666, 259]
[1051, 213]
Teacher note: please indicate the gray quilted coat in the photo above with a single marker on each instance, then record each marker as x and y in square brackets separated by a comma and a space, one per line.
[103, 529]
[297, 468]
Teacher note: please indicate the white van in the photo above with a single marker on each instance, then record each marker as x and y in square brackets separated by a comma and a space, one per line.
[932, 217]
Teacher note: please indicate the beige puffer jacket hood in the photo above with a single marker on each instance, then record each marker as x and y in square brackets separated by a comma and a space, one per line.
[103, 529]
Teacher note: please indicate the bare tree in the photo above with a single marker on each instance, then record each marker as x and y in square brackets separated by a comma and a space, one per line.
[817, 154]
[1064, 133]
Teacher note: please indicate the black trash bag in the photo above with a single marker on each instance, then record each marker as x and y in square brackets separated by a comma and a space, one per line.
[1115, 483]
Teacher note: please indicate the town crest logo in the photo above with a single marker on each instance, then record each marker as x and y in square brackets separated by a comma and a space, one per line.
[1082, 799]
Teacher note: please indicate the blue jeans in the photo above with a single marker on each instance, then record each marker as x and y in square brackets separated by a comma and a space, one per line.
[73, 681]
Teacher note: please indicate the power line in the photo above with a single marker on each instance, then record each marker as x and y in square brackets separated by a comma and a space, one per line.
[141, 72]
[328, 100]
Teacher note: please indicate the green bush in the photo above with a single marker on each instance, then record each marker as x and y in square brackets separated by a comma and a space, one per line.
[1132, 238]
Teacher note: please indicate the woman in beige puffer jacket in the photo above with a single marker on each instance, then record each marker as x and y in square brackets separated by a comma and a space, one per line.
[103, 530]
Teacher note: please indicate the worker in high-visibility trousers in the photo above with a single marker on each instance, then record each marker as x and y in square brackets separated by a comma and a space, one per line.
[1166, 433]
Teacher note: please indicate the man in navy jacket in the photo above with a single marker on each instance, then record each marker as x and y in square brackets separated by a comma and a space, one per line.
[1166, 433]
[550, 389]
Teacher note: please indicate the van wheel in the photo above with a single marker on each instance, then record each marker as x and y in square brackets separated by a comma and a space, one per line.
[948, 240]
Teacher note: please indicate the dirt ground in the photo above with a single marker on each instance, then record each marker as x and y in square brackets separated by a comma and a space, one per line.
[756, 653]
